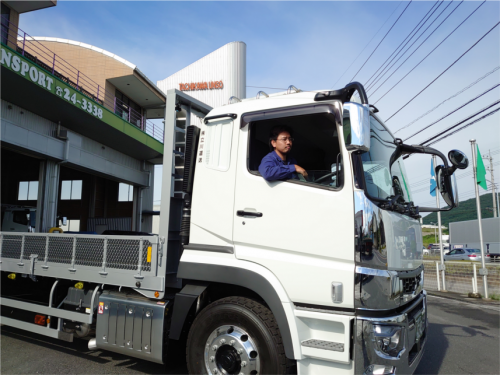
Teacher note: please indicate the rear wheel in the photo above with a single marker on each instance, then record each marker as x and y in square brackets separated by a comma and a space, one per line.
[235, 335]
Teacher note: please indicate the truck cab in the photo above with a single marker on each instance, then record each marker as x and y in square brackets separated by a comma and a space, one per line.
[18, 219]
[342, 247]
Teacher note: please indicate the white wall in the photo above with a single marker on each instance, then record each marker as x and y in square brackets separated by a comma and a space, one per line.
[226, 64]
[156, 220]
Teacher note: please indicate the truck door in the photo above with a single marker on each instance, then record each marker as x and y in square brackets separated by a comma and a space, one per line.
[303, 231]
[213, 191]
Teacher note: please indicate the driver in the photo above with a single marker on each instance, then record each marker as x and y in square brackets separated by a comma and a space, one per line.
[278, 165]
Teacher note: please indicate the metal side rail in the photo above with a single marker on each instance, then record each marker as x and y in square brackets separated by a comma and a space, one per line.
[129, 261]
[50, 311]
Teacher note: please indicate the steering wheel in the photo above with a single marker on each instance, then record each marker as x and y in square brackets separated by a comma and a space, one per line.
[326, 176]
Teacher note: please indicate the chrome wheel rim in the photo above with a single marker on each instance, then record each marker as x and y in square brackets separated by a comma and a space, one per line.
[230, 350]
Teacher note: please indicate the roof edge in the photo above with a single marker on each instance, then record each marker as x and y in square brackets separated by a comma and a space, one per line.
[84, 45]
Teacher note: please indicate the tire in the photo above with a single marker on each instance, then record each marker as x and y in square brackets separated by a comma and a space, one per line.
[235, 335]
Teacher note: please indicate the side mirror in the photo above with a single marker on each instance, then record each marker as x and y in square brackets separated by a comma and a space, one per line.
[447, 186]
[458, 159]
[64, 221]
[358, 116]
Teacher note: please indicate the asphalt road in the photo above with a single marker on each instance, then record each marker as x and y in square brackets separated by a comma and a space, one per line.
[463, 339]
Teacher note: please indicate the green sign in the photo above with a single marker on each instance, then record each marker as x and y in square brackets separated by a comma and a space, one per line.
[40, 77]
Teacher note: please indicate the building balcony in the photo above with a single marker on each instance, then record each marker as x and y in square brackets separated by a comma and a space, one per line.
[41, 81]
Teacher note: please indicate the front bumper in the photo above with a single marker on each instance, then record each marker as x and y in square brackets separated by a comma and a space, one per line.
[368, 357]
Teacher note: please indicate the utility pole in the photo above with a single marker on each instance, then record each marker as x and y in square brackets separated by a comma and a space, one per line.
[490, 159]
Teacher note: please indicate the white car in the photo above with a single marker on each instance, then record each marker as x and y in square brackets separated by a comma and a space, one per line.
[466, 254]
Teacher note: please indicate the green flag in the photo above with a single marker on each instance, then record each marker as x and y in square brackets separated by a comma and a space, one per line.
[481, 171]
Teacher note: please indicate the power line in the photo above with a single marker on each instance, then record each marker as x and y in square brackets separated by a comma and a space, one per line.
[394, 24]
[460, 122]
[451, 97]
[444, 71]
[411, 32]
[450, 113]
[465, 126]
[367, 44]
[420, 45]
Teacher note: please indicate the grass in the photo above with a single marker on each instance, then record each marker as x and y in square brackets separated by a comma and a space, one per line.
[496, 297]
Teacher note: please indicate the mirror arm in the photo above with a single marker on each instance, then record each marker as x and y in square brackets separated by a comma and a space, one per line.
[434, 209]
[407, 150]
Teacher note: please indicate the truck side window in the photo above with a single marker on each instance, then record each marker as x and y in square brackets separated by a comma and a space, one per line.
[316, 147]
[20, 217]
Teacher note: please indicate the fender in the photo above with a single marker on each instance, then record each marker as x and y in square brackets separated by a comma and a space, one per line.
[245, 278]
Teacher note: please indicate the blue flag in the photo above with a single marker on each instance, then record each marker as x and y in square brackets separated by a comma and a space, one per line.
[433, 179]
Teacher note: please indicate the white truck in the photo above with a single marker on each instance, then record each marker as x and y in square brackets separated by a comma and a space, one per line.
[316, 276]
[18, 218]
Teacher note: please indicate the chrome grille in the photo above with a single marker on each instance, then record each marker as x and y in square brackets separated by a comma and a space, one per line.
[410, 284]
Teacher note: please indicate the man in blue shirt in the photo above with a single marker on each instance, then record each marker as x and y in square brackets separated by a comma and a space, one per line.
[278, 165]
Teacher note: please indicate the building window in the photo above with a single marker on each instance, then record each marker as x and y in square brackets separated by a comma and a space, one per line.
[127, 109]
[5, 23]
[125, 193]
[71, 226]
[28, 191]
[71, 190]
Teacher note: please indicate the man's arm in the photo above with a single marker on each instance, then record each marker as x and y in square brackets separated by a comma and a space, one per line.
[270, 171]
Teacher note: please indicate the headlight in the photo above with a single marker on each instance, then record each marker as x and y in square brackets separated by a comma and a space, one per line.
[388, 339]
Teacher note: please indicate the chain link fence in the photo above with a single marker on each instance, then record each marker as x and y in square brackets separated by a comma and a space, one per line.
[459, 277]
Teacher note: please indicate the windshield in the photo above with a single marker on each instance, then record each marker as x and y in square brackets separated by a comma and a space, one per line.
[381, 181]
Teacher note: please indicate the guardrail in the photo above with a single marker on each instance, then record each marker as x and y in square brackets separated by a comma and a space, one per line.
[461, 278]
[30, 48]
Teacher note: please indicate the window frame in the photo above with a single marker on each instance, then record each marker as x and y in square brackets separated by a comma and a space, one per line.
[28, 190]
[249, 118]
[71, 191]
[128, 193]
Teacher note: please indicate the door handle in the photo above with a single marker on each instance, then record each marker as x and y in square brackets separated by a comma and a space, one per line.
[248, 213]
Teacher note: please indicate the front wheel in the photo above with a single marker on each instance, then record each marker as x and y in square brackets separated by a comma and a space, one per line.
[235, 335]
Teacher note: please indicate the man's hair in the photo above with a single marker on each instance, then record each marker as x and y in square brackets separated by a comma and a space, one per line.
[276, 131]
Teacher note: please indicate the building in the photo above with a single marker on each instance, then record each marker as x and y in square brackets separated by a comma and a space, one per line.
[82, 128]
[81, 131]
[213, 79]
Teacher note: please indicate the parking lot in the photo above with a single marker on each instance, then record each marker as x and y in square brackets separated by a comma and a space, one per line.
[463, 339]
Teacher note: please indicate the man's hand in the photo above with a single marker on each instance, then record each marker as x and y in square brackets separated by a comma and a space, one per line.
[300, 170]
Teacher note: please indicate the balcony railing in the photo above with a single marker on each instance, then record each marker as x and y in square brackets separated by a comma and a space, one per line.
[40, 55]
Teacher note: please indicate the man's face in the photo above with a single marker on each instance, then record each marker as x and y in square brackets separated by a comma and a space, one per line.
[283, 143]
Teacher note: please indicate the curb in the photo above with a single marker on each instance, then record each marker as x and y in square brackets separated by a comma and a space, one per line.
[463, 298]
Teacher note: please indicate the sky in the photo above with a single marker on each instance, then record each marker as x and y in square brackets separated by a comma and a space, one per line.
[320, 45]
